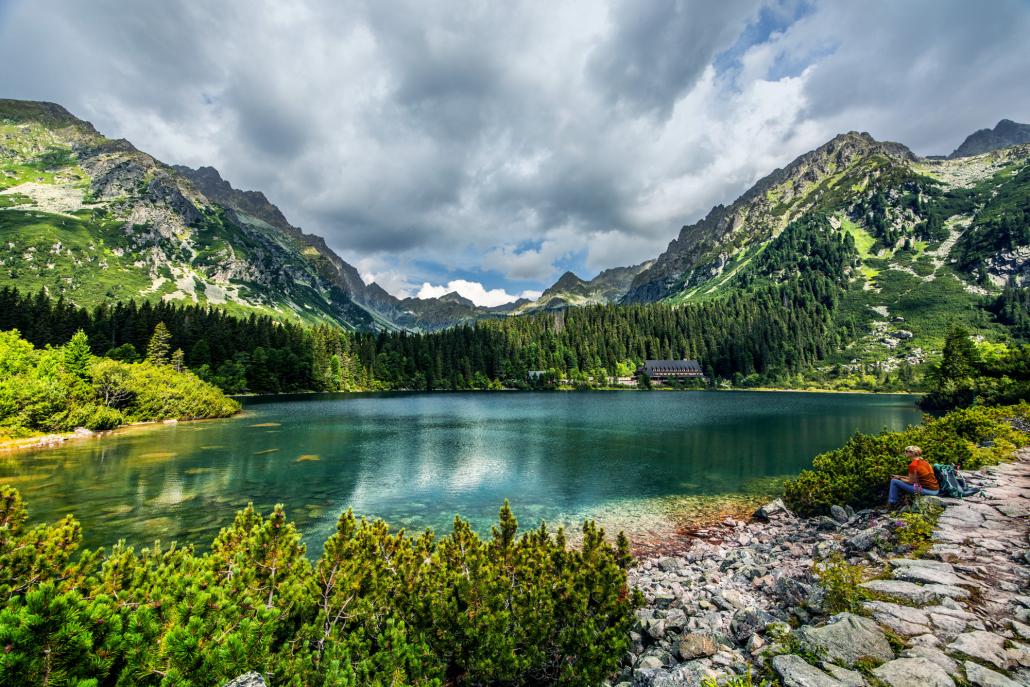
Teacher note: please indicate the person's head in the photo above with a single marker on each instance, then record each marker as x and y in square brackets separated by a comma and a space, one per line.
[913, 452]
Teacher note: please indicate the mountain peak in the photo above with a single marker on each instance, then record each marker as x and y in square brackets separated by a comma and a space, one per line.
[1005, 133]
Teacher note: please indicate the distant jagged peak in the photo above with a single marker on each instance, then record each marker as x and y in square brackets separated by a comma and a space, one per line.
[1005, 133]
[457, 299]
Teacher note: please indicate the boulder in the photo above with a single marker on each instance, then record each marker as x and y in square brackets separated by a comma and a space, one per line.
[866, 539]
[846, 639]
[790, 591]
[904, 620]
[697, 645]
[250, 679]
[748, 622]
[772, 510]
[839, 514]
[848, 678]
[977, 675]
[912, 672]
[933, 655]
[985, 646]
[795, 672]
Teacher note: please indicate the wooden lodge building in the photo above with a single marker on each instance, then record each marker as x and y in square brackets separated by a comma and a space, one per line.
[662, 371]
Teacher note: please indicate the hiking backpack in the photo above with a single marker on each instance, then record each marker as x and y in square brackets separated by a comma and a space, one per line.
[951, 483]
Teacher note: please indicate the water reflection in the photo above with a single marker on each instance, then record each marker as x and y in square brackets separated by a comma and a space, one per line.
[633, 460]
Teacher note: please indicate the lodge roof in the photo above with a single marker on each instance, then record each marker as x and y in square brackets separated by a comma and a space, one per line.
[671, 366]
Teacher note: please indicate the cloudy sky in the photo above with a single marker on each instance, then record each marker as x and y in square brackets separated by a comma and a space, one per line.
[490, 146]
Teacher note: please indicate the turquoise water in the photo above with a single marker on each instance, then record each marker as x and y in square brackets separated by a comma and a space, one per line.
[636, 461]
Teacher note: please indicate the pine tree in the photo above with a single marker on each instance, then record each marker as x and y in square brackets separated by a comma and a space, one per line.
[160, 345]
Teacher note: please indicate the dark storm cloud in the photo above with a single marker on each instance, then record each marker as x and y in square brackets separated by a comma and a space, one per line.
[514, 137]
[657, 50]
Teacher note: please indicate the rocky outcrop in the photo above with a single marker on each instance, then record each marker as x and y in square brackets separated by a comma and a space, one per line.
[251, 679]
[742, 597]
[1005, 133]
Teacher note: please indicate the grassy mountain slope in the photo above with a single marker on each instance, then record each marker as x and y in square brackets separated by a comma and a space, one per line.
[95, 220]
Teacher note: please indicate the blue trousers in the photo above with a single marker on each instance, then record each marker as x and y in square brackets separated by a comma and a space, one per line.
[898, 487]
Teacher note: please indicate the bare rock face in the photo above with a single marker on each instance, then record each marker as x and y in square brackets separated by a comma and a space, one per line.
[795, 672]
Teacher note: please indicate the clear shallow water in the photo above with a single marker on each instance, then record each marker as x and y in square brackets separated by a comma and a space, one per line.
[635, 461]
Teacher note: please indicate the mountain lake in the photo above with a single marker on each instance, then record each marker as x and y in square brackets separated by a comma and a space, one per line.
[647, 463]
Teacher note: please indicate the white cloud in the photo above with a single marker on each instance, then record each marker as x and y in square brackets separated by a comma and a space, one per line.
[511, 137]
[475, 292]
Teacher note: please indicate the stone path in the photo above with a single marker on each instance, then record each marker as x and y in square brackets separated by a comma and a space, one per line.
[964, 611]
[742, 597]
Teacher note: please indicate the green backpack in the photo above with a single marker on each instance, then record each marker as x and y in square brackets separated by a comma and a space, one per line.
[951, 483]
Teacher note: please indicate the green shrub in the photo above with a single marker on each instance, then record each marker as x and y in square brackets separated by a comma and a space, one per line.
[59, 389]
[859, 472]
[841, 580]
[379, 607]
[917, 526]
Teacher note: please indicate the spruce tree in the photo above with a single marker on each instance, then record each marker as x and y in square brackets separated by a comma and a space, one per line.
[160, 345]
[77, 355]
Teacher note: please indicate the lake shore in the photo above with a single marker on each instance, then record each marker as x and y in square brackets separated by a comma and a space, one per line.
[55, 440]
[743, 597]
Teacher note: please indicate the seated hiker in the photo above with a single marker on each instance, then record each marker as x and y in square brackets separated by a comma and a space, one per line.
[920, 478]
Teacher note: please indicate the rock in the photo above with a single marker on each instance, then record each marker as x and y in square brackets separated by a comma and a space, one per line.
[668, 564]
[933, 655]
[846, 639]
[791, 592]
[919, 573]
[908, 591]
[904, 620]
[250, 679]
[826, 524]
[985, 677]
[866, 539]
[747, 623]
[912, 672]
[649, 662]
[985, 646]
[731, 599]
[795, 672]
[83, 432]
[772, 510]
[697, 645]
[839, 514]
[848, 678]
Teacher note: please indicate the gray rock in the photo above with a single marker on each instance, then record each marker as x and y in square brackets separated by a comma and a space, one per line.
[772, 510]
[748, 622]
[846, 639]
[650, 662]
[731, 599]
[918, 573]
[697, 645]
[904, 620]
[826, 524]
[839, 514]
[933, 655]
[866, 539]
[250, 679]
[985, 646]
[668, 564]
[795, 672]
[985, 677]
[790, 591]
[908, 591]
[848, 678]
[912, 672]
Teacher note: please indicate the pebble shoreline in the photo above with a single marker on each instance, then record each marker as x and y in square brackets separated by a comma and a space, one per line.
[742, 598]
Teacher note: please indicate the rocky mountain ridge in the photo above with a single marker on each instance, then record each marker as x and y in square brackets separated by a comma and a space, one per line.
[1004, 134]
